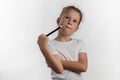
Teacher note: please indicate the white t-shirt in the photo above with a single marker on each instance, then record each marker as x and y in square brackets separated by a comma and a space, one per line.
[67, 51]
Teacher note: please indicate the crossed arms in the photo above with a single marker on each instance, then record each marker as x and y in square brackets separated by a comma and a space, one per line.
[58, 65]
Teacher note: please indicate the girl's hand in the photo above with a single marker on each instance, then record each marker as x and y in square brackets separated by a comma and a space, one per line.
[42, 41]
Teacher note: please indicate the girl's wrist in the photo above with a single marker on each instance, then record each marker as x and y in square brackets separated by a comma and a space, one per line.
[43, 47]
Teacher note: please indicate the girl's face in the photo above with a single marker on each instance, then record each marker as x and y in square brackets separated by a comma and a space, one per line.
[70, 22]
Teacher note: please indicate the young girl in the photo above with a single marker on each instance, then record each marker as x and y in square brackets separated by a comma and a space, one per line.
[65, 56]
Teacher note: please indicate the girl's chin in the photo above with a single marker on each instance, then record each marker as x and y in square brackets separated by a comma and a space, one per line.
[67, 34]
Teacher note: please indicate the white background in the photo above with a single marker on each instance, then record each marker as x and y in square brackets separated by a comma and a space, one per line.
[21, 22]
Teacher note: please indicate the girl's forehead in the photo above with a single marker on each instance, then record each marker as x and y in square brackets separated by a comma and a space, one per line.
[72, 13]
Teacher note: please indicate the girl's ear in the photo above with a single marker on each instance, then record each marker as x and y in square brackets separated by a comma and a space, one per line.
[58, 20]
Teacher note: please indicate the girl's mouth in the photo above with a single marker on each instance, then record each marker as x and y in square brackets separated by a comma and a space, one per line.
[68, 27]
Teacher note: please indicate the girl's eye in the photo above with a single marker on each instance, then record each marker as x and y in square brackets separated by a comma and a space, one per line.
[66, 17]
[75, 21]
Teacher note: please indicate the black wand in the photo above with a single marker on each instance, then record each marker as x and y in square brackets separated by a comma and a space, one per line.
[54, 31]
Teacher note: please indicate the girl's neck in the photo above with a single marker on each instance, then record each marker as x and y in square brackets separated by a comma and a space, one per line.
[63, 38]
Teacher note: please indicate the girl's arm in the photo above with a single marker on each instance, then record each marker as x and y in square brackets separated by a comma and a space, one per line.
[52, 60]
[76, 66]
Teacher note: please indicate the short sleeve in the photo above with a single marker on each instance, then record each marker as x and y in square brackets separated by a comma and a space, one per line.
[52, 49]
[82, 46]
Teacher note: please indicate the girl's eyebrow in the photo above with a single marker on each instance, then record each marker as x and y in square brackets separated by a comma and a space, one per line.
[73, 18]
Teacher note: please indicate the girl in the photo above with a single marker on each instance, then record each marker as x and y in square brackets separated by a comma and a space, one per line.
[65, 56]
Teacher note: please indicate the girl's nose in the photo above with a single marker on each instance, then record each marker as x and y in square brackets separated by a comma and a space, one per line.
[70, 22]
